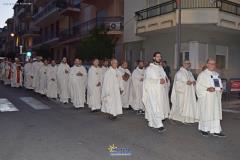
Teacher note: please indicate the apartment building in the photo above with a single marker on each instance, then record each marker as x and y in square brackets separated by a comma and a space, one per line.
[209, 29]
[10, 42]
[3, 39]
[63, 23]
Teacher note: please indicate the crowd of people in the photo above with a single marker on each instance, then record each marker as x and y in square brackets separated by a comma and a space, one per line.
[109, 87]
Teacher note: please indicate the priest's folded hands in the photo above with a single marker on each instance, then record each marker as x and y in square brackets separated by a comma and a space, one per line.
[66, 71]
[53, 79]
[162, 81]
[99, 84]
[79, 74]
[211, 89]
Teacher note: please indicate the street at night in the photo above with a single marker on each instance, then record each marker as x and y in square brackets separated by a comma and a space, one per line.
[60, 132]
[119, 79]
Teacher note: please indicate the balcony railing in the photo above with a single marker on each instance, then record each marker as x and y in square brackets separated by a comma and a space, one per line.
[170, 6]
[30, 32]
[55, 5]
[84, 29]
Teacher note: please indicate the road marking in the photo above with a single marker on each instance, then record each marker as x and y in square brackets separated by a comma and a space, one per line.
[231, 111]
[7, 106]
[35, 104]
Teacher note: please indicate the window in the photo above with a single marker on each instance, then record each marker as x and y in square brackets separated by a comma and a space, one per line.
[193, 51]
[222, 57]
[57, 28]
[221, 61]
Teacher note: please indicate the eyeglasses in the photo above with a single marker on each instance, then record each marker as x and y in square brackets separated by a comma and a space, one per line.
[212, 64]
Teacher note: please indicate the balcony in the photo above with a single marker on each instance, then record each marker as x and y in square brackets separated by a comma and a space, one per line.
[98, 3]
[39, 2]
[48, 13]
[222, 13]
[70, 9]
[45, 39]
[33, 32]
[20, 12]
[113, 26]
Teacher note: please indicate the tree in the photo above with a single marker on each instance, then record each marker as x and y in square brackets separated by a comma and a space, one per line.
[44, 52]
[97, 45]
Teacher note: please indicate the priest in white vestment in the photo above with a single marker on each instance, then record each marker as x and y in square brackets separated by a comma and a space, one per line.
[63, 81]
[126, 79]
[94, 86]
[3, 64]
[52, 88]
[183, 98]
[209, 93]
[8, 72]
[136, 88]
[43, 78]
[155, 94]
[105, 66]
[1, 69]
[36, 78]
[28, 74]
[77, 84]
[17, 74]
[111, 91]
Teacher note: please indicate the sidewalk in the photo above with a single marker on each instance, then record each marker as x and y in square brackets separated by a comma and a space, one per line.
[231, 105]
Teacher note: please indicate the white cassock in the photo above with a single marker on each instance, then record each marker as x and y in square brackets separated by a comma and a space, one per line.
[104, 69]
[8, 73]
[209, 103]
[183, 98]
[94, 91]
[43, 80]
[111, 97]
[77, 86]
[1, 70]
[52, 88]
[155, 96]
[28, 75]
[36, 77]
[17, 77]
[126, 86]
[136, 89]
[63, 82]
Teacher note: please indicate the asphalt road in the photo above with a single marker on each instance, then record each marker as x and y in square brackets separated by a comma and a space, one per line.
[59, 132]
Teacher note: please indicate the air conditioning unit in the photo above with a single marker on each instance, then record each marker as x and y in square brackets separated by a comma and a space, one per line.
[115, 26]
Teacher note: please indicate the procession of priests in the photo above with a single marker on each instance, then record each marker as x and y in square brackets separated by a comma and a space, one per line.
[110, 87]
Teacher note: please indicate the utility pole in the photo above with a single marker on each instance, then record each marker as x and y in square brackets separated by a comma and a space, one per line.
[178, 27]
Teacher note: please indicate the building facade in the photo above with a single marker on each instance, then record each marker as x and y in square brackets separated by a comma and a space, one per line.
[209, 29]
[63, 23]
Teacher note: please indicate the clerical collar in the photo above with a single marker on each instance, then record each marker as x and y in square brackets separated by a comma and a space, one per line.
[158, 64]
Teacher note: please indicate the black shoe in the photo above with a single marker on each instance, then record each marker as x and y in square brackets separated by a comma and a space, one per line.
[205, 134]
[161, 129]
[112, 117]
[140, 112]
[221, 135]
[94, 111]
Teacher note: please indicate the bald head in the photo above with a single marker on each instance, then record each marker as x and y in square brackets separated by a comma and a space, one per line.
[211, 64]
[114, 63]
[187, 64]
[125, 65]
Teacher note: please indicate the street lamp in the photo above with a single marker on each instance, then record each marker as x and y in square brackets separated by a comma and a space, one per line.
[178, 28]
[12, 34]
